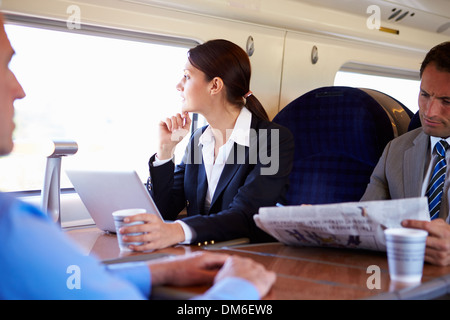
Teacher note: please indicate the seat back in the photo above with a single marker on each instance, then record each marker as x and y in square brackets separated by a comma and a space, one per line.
[340, 133]
[399, 115]
[415, 122]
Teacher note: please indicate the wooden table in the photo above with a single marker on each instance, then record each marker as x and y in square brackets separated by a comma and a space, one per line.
[302, 272]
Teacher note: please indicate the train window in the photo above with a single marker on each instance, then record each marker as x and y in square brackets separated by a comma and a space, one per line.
[405, 90]
[106, 93]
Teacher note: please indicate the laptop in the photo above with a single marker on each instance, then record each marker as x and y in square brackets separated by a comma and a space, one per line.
[103, 192]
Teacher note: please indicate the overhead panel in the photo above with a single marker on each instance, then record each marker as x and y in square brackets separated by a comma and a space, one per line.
[432, 16]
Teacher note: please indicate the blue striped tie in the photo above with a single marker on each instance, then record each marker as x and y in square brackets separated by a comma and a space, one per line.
[436, 186]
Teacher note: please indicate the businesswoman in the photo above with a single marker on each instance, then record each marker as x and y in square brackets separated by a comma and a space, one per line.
[233, 166]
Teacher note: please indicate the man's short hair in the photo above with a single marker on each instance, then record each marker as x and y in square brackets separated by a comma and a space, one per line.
[440, 56]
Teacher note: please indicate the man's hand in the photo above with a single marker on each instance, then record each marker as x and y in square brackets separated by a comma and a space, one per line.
[438, 241]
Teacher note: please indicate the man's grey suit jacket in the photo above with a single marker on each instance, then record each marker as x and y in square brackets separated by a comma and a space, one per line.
[401, 169]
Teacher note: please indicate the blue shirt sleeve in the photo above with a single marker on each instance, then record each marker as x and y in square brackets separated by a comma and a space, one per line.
[136, 273]
[39, 262]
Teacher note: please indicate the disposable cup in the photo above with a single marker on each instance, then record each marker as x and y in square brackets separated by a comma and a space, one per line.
[119, 216]
[405, 251]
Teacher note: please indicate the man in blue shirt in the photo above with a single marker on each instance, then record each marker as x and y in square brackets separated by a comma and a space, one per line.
[37, 261]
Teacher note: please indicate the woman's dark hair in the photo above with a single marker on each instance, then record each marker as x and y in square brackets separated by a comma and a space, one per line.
[224, 59]
[440, 56]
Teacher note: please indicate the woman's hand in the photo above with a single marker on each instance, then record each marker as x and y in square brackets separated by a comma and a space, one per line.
[171, 132]
[157, 233]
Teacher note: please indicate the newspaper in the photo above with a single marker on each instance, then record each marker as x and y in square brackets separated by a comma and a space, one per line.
[358, 225]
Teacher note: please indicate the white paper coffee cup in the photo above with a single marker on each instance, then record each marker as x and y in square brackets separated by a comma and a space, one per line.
[405, 251]
[118, 217]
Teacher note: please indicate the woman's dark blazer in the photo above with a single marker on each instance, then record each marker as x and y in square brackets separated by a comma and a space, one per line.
[253, 177]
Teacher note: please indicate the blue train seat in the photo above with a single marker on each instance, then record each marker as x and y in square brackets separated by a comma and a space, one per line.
[340, 133]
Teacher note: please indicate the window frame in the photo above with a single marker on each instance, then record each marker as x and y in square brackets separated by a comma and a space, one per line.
[382, 71]
[93, 30]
